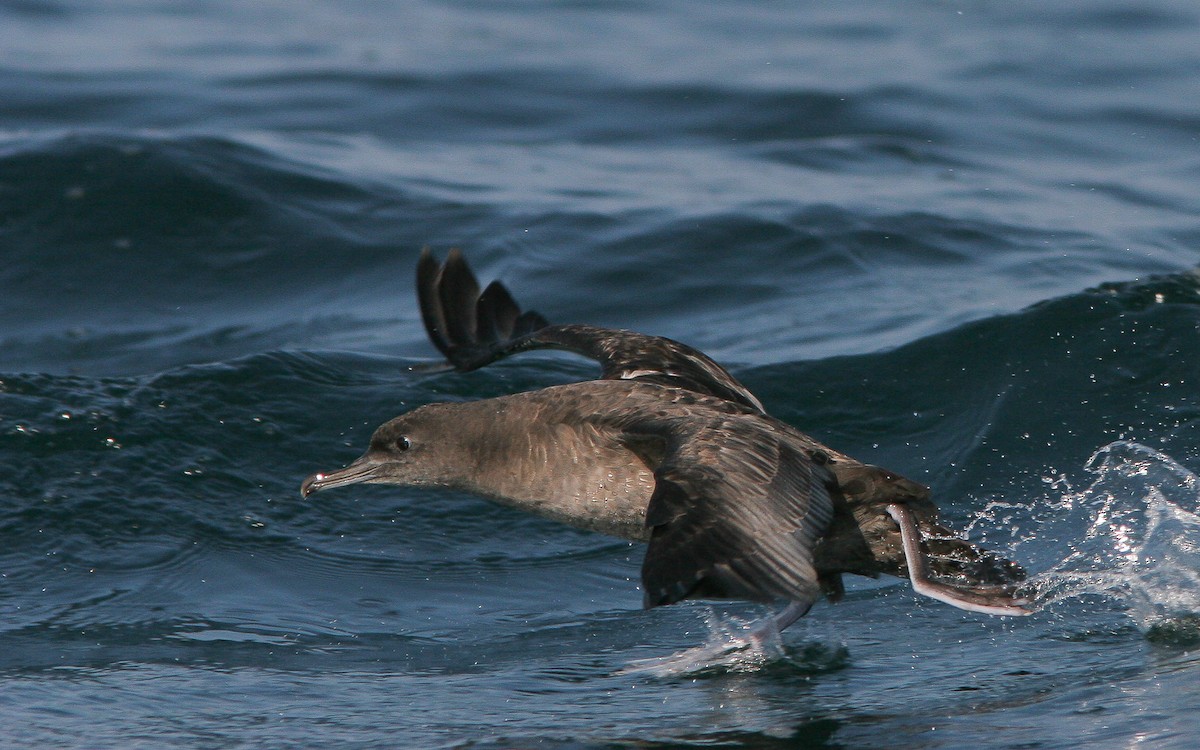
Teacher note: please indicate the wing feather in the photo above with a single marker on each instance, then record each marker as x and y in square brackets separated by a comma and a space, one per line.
[736, 512]
[473, 329]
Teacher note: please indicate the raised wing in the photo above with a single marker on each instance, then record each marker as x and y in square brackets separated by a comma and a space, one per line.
[736, 512]
[473, 328]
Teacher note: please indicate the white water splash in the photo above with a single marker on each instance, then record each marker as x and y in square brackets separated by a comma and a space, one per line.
[733, 645]
[1141, 545]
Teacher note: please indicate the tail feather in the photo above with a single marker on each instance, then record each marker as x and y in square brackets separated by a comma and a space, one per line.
[951, 557]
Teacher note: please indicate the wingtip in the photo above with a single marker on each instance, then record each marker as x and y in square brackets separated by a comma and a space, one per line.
[471, 328]
[429, 276]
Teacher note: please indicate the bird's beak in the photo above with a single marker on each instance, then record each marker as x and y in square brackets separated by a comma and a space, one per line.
[362, 470]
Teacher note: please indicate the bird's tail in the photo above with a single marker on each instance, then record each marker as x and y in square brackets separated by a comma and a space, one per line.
[957, 559]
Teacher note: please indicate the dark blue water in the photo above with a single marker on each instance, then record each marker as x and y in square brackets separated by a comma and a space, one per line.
[956, 239]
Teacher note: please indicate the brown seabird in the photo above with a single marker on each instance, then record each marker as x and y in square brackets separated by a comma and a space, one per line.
[668, 448]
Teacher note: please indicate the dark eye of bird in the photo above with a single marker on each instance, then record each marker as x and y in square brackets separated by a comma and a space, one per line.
[403, 443]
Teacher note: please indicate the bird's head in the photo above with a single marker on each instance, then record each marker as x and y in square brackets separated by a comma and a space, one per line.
[416, 449]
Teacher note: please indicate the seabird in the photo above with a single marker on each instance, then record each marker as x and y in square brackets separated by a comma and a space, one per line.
[667, 448]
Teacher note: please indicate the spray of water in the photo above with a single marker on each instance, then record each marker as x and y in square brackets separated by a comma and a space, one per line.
[732, 645]
[1141, 542]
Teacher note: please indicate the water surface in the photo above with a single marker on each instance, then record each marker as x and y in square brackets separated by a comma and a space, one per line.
[957, 240]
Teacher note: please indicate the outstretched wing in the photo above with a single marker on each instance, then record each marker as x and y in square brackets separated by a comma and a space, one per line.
[473, 328]
[736, 512]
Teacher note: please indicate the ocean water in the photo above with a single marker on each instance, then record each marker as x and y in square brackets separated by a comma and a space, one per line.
[956, 239]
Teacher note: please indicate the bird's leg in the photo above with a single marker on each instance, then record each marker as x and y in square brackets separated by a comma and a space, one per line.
[990, 600]
[786, 616]
[758, 643]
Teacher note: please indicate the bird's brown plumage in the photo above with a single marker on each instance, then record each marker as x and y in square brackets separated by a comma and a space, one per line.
[668, 447]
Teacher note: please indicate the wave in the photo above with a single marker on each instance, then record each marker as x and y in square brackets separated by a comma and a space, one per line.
[256, 242]
[130, 475]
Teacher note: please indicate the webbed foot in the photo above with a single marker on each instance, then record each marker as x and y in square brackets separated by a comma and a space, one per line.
[987, 599]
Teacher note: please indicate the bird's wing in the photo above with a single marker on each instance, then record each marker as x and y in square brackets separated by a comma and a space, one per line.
[736, 511]
[473, 328]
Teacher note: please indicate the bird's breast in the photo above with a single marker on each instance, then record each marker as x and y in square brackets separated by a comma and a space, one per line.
[577, 474]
